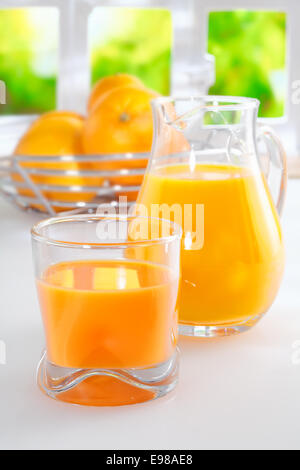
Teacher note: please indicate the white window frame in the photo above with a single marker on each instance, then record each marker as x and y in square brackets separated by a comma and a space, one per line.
[73, 88]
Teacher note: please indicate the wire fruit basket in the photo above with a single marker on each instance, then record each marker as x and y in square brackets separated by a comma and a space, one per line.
[69, 184]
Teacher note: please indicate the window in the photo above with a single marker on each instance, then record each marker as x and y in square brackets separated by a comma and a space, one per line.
[134, 41]
[250, 51]
[280, 106]
[29, 59]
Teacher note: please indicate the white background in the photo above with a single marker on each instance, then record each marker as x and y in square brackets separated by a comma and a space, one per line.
[238, 392]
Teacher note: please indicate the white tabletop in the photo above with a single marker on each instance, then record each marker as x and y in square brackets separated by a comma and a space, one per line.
[239, 392]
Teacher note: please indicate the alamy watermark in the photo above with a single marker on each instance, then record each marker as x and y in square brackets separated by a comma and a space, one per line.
[296, 353]
[145, 222]
[2, 92]
[2, 353]
[296, 92]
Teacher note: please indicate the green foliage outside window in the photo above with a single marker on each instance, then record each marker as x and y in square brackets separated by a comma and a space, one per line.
[250, 51]
[134, 41]
[28, 59]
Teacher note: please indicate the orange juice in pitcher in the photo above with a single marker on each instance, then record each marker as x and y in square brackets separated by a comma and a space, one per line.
[211, 183]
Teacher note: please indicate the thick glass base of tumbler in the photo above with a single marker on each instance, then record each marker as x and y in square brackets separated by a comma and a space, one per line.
[107, 387]
[217, 331]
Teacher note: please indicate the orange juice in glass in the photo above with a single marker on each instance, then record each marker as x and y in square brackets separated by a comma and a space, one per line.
[110, 317]
[232, 247]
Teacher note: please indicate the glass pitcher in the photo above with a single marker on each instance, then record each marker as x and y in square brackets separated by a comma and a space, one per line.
[206, 174]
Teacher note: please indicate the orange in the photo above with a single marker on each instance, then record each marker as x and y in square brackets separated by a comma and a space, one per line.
[121, 122]
[55, 134]
[52, 134]
[107, 84]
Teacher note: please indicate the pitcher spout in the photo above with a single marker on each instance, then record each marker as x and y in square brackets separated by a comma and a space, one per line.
[205, 127]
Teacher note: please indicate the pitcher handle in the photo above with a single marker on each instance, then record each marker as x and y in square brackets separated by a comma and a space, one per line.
[277, 157]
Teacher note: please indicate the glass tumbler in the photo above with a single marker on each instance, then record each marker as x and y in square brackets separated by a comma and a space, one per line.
[108, 293]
